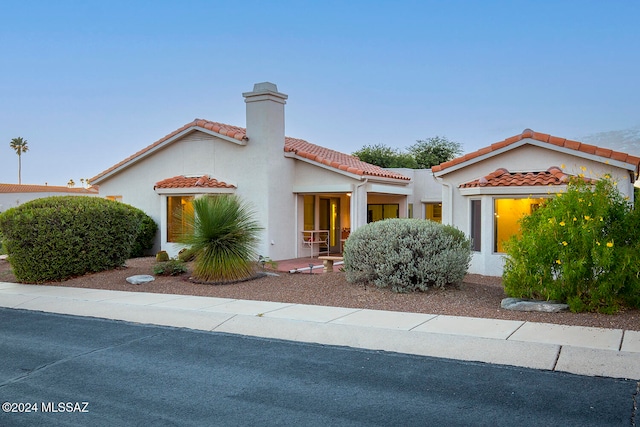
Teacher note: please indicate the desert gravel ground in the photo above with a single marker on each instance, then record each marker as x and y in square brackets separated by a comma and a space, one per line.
[477, 296]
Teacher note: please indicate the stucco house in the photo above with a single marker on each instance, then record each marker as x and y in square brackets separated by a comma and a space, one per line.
[294, 186]
[12, 195]
[308, 197]
[486, 192]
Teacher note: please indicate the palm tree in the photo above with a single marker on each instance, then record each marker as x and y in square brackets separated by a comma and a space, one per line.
[222, 237]
[20, 145]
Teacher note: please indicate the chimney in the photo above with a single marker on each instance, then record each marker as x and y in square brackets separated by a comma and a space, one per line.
[265, 116]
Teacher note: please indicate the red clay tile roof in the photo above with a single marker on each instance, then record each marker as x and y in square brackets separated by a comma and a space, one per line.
[181, 181]
[337, 160]
[549, 139]
[503, 178]
[296, 146]
[28, 188]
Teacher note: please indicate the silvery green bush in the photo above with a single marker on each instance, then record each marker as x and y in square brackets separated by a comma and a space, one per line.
[407, 255]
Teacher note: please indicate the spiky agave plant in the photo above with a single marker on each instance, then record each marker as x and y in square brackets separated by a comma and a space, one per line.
[222, 238]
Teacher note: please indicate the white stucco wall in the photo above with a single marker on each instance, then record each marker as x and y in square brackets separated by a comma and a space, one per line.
[424, 188]
[135, 184]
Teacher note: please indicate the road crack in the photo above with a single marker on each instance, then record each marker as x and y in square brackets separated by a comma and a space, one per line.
[75, 356]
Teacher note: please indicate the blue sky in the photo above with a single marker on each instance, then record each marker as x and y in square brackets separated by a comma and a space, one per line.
[88, 83]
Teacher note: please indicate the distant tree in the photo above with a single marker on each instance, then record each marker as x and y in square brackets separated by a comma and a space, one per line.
[433, 151]
[424, 154]
[20, 146]
[71, 183]
[385, 157]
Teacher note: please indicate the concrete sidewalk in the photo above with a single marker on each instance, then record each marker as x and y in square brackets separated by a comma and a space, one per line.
[579, 350]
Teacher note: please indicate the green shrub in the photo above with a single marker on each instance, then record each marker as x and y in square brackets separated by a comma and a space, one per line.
[173, 267]
[407, 255]
[146, 233]
[55, 238]
[222, 239]
[581, 247]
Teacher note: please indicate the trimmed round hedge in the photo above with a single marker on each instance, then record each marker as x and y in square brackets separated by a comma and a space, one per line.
[407, 255]
[55, 238]
[146, 233]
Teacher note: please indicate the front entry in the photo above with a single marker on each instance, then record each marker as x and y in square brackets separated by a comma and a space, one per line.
[330, 220]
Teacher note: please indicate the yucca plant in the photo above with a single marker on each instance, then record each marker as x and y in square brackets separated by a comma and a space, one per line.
[222, 236]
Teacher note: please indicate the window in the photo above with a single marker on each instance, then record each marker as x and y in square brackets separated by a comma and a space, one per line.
[410, 215]
[115, 198]
[507, 213]
[309, 212]
[476, 223]
[433, 211]
[177, 207]
[378, 212]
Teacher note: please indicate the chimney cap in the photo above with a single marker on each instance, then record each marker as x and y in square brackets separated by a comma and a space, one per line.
[264, 91]
[265, 87]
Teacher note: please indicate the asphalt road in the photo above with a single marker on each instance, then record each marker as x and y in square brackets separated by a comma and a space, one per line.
[84, 371]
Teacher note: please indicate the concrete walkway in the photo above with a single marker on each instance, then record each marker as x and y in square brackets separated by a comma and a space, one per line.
[579, 350]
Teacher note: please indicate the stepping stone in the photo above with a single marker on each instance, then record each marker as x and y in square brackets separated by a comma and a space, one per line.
[140, 279]
[519, 304]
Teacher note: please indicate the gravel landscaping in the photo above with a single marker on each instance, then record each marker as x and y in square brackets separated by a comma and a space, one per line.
[478, 296]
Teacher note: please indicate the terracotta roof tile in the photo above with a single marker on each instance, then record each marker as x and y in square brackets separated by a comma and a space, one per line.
[503, 178]
[541, 136]
[550, 139]
[336, 160]
[28, 188]
[299, 147]
[182, 181]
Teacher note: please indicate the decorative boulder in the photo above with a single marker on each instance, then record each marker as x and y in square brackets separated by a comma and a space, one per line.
[519, 304]
[140, 279]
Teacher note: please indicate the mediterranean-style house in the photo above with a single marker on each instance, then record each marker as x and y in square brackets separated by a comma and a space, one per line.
[293, 185]
[12, 195]
[308, 198]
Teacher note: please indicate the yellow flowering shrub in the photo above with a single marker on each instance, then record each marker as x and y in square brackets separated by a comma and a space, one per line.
[564, 254]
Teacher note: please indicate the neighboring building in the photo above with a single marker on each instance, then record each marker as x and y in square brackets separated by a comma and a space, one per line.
[298, 188]
[486, 192]
[12, 195]
[292, 184]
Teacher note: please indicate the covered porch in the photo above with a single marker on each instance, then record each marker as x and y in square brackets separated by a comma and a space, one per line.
[325, 219]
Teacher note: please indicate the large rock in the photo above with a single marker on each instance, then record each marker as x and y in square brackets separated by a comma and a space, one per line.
[140, 279]
[519, 304]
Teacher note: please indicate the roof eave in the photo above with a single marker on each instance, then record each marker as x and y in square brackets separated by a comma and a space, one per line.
[360, 177]
[537, 190]
[530, 141]
[196, 190]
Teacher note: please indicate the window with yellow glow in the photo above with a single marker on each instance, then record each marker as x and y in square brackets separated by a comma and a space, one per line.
[507, 213]
[309, 212]
[377, 212]
[114, 198]
[177, 207]
[433, 211]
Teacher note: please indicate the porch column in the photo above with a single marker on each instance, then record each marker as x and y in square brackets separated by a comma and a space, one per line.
[358, 206]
